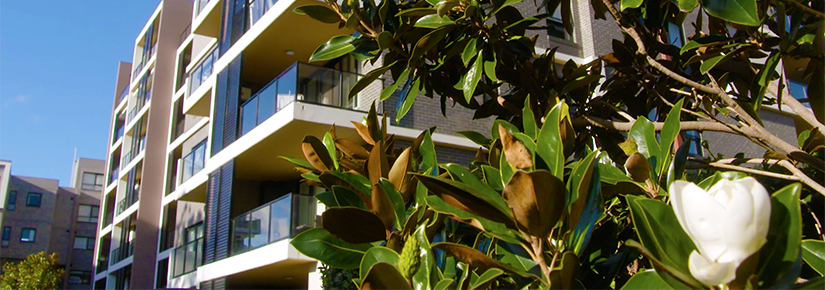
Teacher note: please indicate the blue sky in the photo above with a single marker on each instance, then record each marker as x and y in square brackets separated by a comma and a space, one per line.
[58, 61]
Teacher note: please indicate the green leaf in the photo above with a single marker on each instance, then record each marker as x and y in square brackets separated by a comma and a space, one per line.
[549, 145]
[472, 77]
[528, 121]
[470, 50]
[375, 255]
[383, 276]
[433, 21]
[345, 197]
[515, 257]
[630, 4]
[505, 4]
[510, 128]
[486, 278]
[443, 284]
[716, 177]
[646, 280]
[427, 150]
[661, 234]
[704, 41]
[407, 98]
[490, 64]
[357, 181]
[644, 133]
[463, 175]
[466, 198]
[298, 162]
[779, 254]
[612, 175]
[679, 163]
[688, 5]
[429, 41]
[476, 137]
[710, 63]
[813, 252]
[389, 90]
[744, 12]
[580, 82]
[422, 279]
[507, 169]
[586, 210]
[333, 154]
[670, 130]
[413, 12]
[337, 46]
[367, 79]
[493, 177]
[397, 202]
[496, 229]
[327, 198]
[319, 244]
[318, 12]
[764, 77]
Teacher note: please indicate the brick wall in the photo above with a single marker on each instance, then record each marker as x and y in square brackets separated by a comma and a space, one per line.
[729, 144]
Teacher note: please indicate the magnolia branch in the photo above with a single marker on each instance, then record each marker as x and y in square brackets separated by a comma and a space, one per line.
[797, 107]
[625, 126]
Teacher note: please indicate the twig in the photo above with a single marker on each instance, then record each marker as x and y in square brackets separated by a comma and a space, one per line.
[625, 126]
[816, 219]
[802, 176]
[722, 165]
[807, 9]
[797, 107]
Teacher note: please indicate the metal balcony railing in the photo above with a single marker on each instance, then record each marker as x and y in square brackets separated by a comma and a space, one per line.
[193, 162]
[121, 253]
[187, 257]
[304, 83]
[118, 133]
[113, 174]
[126, 202]
[282, 218]
[102, 264]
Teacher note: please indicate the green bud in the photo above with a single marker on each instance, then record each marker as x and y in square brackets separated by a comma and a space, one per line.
[410, 260]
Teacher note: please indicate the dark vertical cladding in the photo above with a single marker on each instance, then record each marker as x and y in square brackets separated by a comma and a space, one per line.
[206, 285]
[224, 211]
[219, 284]
[225, 123]
[232, 23]
[218, 206]
[211, 216]
[220, 112]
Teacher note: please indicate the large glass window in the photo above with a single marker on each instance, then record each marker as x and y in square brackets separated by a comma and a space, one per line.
[194, 232]
[27, 235]
[80, 277]
[555, 25]
[84, 243]
[799, 91]
[12, 202]
[92, 181]
[33, 199]
[88, 213]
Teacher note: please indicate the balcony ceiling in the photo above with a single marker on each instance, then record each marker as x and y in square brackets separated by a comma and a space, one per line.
[284, 275]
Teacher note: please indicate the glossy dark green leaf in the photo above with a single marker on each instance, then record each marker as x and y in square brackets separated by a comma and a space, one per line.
[319, 12]
[375, 255]
[498, 230]
[476, 137]
[490, 64]
[463, 175]
[507, 170]
[670, 130]
[470, 50]
[316, 153]
[443, 284]
[708, 64]
[744, 12]
[510, 128]
[433, 21]
[504, 4]
[429, 162]
[407, 98]
[528, 120]
[329, 143]
[368, 79]
[646, 280]
[661, 234]
[779, 254]
[677, 168]
[389, 90]
[764, 77]
[612, 175]
[423, 278]
[337, 46]
[465, 198]
[704, 41]
[298, 162]
[413, 12]
[486, 278]
[580, 82]
[397, 202]
[356, 181]
[353, 225]
[717, 176]
[549, 145]
[630, 4]
[319, 244]
[813, 252]
[586, 211]
[472, 77]
[644, 133]
[345, 197]
[429, 41]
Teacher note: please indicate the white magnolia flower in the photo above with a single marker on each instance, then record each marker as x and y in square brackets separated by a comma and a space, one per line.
[728, 223]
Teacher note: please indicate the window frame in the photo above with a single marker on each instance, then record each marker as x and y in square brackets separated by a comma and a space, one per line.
[80, 275]
[34, 194]
[91, 215]
[6, 237]
[34, 235]
[11, 203]
[94, 185]
[87, 241]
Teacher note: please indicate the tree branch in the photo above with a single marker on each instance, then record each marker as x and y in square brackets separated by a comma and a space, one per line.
[802, 177]
[725, 164]
[797, 107]
[625, 126]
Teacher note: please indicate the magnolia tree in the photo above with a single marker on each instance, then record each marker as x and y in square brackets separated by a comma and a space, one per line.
[37, 271]
[575, 189]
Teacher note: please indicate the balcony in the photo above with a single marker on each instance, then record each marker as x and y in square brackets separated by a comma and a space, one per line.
[121, 253]
[102, 264]
[118, 134]
[113, 175]
[304, 83]
[193, 162]
[187, 257]
[202, 71]
[282, 218]
[126, 202]
[200, 5]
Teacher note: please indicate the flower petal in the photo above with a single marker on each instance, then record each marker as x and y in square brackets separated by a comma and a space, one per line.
[700, 215]
[708, 272]
[742, 233]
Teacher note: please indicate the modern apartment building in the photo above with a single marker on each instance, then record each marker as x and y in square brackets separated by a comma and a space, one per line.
[39, 215]
[195, 196]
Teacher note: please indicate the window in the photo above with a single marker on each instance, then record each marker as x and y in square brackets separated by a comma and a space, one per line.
[80, 277]
[33, 199]
[194, 232]
[12, 204]
[92, 181]
[6, 236]
[27, 235]
[694, 138]
[84, 243]
[88, 213]
[555, 25]
[799, 91]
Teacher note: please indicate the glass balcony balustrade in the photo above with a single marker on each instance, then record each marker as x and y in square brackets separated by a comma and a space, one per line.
[200, 5]
[282, 218]
[102, 264]
[194, 161]
[187, 257]
[304, 83]
[202, 71]
[121, 253]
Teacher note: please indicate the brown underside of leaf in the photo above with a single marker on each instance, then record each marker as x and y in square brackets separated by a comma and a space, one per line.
[364, 132]
[537, 200]
[383, 276]
[315, 153]
[353, 225]
[329, 180]
[351, 149]
[382, 206]
[515, 151]
[468, 255]
[463, 200]
[377, 166]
